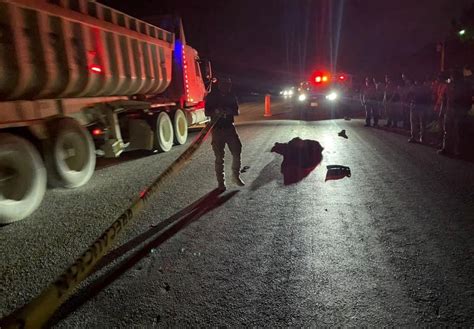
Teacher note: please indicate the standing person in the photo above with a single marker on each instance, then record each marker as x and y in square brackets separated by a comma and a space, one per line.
[440, 105]
[367, 97]
[432, 117]
[389, 99]
[222, 106]
[397, 104]
[378, 103]
[406, 90]
[459, 102]
[420, 100]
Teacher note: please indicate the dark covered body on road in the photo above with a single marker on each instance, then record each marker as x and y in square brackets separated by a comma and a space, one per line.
[300, 157]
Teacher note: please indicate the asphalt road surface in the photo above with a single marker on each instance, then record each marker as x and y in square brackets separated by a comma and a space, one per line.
[392, 245]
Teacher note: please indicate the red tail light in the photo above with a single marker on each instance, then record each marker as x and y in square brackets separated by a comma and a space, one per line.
[97, 132]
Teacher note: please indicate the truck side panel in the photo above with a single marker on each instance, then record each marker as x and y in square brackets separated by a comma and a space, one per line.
[48, 51]
[8, 55]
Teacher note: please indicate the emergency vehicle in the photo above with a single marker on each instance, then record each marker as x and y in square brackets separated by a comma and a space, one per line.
[323, 90]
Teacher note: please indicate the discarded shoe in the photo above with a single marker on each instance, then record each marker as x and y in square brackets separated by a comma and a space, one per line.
[336, 172]
[342, 134]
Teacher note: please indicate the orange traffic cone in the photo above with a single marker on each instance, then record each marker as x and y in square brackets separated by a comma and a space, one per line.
[268, 111]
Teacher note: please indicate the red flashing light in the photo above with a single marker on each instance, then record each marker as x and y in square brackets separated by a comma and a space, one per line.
[319, 77]
[342, 77]
[96, 68]
[97, 132]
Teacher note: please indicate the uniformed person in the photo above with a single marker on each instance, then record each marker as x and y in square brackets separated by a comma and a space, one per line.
[459, 102]
[378, 103]
[440, 105]
[368, 100]
[405, 101]
[389, 100]
[221, 107]
[420, 101]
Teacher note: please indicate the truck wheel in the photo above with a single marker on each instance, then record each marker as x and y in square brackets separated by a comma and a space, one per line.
[70, 157]
[22, 178]
[164, 132]
[180, 125]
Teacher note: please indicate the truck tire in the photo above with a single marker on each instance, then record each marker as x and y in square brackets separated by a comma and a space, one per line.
[22, 178]
[163, 132]
[70, 155]
[180, 125]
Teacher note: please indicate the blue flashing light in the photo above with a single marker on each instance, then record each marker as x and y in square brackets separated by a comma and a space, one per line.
[178, 52]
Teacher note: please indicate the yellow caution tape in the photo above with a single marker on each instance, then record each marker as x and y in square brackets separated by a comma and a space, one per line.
[36, 313]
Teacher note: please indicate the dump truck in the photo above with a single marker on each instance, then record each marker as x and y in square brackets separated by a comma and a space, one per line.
[78, 80]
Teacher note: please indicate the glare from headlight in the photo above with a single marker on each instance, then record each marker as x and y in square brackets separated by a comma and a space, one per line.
[285, 92]
[331, 96]
[290, 92]
[302, 97]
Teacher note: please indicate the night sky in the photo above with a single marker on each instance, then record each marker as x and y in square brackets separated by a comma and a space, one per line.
[264, 44]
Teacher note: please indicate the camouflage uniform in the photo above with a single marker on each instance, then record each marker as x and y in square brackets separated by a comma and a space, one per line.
[405, 104]
[368, 99]
[378, 104]
[420, 101]
[459, 102]
[390, 99]
[440, 108]
[222, 107]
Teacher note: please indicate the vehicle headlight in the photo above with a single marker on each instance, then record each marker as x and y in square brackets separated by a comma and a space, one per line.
[285, 93]
[290, 92]
[302, 97]
[332, 96]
